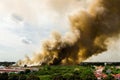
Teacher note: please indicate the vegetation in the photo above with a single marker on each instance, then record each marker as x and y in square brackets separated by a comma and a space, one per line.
[6, 63]
[53, 73]
[4, 76]
[33, 77]
[65, 73]
[111, 70]
[110, 77]
[73, 72]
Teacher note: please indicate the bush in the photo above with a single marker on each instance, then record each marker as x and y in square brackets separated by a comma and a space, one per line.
[68, 76]
[21, 72]
[33, 77]
[4, 76]
[22, 77]
[85, 73]
[58, 77]
[27, 71]
[110, 77]
[13, 77]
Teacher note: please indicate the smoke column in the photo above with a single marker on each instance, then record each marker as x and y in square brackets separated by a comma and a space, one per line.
[90, 31]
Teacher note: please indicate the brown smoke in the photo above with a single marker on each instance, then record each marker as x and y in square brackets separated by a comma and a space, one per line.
[89, 32]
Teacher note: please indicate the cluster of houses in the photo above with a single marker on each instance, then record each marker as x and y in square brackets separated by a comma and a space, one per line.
[98, 69]
[15, 69]
[100, 75]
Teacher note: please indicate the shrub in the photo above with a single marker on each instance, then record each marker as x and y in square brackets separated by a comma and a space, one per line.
[33, 77]
[4, 76]
[27, 71]
[13, 77]
[58, 77]
[110, 77]
[21, 72]
[68, 76]
[22, 77]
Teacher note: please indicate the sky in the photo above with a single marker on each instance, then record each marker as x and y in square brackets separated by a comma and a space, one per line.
[25, 24]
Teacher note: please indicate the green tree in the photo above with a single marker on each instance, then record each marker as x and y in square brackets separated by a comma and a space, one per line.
[109, 77]
[58, 77]
[33, 77]
[68, 76]
[22, 77]
[13, 77]
[27, 71]
[21, 72]
[85, 74]
[4, 76]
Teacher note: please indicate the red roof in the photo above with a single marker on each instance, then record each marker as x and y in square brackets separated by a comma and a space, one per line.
[11, 70]
[117, 76]
[102, 75]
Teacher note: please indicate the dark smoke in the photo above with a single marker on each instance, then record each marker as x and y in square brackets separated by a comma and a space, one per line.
[90, 30]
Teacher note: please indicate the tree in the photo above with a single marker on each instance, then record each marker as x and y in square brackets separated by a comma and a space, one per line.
[22, 77]
[110, 77]
[33, 77]
[4, 76]
[58, 77]
[25, 65]
[13, 77]
[85, 74]
[21, 72]
[27, 71]
[68, 76]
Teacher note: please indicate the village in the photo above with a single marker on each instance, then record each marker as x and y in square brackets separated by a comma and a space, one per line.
[13, 69]
[100, 70]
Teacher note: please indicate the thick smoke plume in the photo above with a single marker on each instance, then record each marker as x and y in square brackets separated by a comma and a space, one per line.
[90, 31]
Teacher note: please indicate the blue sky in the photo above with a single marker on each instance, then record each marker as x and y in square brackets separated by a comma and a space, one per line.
[25, 24]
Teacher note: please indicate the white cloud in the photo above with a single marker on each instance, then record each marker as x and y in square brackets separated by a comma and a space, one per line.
[25, 40]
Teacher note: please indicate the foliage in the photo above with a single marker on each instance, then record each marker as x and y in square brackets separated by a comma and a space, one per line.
[45, 77]
[109, 77]
[66, 72]
[33, 77]
[21, 72]
[58, 77]
[6, 63]
[4, 76]
[13, 77]
[113, 70]
[68, 76]
[27, 71]
[60, 72]
[84, 73]
[22, 77]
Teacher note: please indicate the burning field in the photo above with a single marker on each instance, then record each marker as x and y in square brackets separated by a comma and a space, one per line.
[91, 30]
